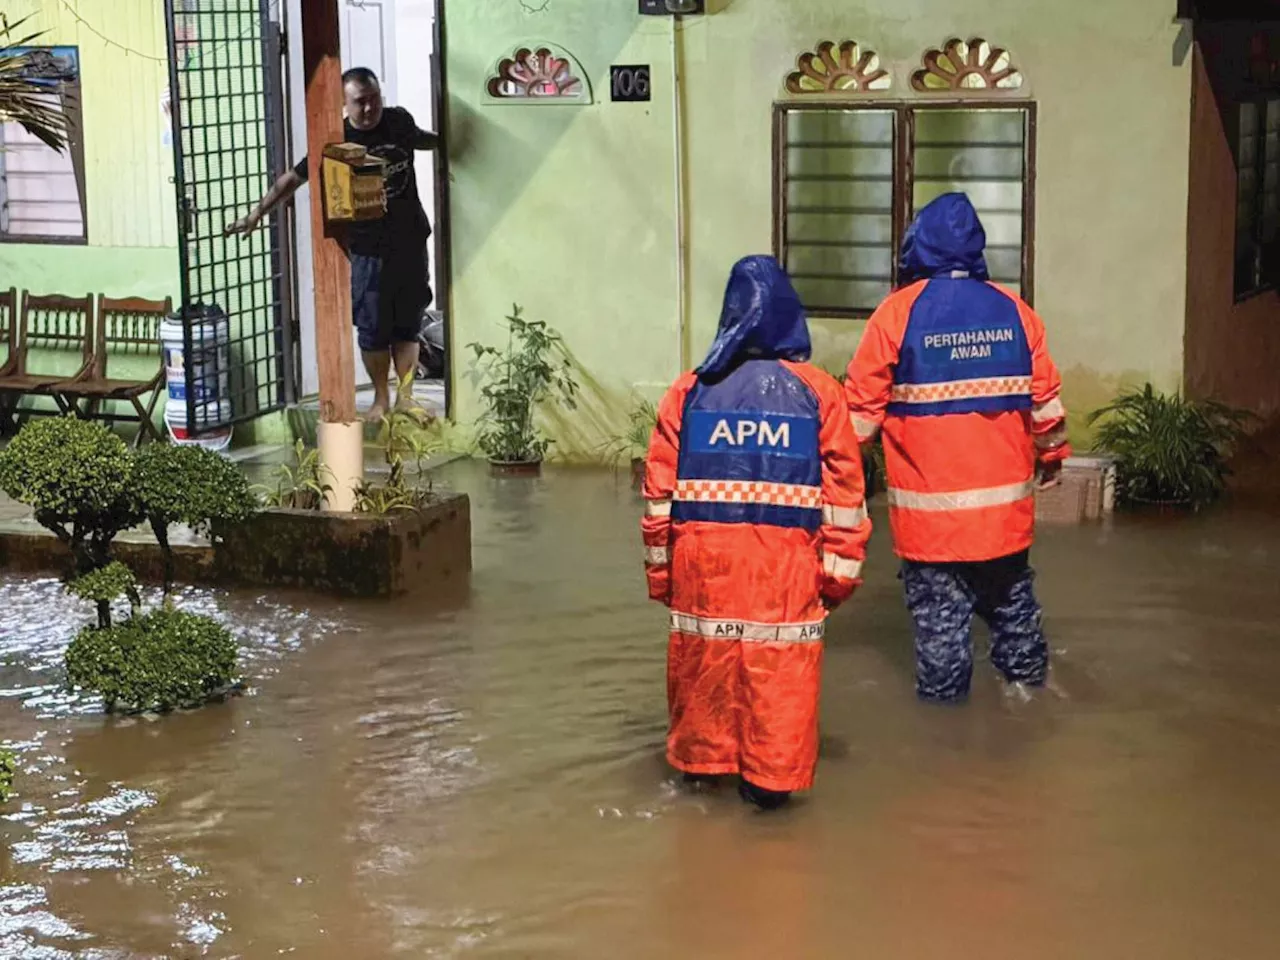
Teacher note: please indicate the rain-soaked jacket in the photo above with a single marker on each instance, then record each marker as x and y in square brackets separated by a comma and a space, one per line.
[957, 373]
[754, 526]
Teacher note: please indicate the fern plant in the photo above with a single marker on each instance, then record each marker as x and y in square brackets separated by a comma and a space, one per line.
[1168, 449]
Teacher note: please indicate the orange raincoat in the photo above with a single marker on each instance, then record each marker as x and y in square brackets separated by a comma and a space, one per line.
[755, 527]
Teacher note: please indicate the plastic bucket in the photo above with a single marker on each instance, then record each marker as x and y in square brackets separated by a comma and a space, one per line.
[210, 376]
[211, 435]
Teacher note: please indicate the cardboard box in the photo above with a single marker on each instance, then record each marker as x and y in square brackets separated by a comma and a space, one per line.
[355, 186]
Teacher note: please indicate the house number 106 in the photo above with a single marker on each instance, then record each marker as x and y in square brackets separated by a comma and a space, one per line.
[630, 83]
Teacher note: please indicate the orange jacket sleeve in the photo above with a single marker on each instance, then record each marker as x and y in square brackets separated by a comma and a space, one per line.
[1048, 415]
[846, 527]
[868, 384]
[659, 486]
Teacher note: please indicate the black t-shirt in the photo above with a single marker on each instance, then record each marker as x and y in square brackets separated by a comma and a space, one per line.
[405, 224]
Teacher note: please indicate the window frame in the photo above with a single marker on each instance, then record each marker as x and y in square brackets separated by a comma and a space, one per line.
[70, 103]
[904, 112]
[1265, 280]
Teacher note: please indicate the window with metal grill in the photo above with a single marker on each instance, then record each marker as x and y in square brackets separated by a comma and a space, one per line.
[42, 189]
[849, 178]
[1257, 150]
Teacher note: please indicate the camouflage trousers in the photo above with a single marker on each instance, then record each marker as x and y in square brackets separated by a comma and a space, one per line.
[943, 597]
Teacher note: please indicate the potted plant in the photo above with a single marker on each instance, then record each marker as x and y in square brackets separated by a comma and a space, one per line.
[1171, 452]
[402, 536]
[533, 368]
[633, 445]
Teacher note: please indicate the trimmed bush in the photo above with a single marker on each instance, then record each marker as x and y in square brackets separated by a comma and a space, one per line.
[103, 586]
[158, 661]
[78, 479]
[8, 766]
[192, 486]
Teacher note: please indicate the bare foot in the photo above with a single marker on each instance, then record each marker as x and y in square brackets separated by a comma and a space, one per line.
[377, 413]
[409, 405]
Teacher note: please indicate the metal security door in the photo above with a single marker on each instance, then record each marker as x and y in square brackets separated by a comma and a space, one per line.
[227, 108]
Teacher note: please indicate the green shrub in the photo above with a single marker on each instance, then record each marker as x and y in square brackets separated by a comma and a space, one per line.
[1168, 449]
[105, 585]
[158, 661]
[78, 479]
[192, 486]
[8, 767]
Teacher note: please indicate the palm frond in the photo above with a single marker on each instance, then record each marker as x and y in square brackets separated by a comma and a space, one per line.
[25, 100]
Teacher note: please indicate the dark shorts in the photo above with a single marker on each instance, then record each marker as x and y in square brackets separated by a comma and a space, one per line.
[388, 297]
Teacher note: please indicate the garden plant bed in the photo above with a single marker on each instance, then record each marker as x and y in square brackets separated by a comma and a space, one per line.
[346, 554]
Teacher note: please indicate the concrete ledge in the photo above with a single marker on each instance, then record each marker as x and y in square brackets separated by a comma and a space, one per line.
[345, 554]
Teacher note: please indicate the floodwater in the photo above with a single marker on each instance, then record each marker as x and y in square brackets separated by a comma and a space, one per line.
[481, 775]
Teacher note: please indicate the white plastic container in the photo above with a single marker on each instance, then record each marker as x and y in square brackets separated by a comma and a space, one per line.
[210, 362]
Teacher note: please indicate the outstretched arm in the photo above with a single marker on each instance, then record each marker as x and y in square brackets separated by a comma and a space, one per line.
[285, 187]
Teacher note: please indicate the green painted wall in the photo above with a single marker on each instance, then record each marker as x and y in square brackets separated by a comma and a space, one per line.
[570, 210]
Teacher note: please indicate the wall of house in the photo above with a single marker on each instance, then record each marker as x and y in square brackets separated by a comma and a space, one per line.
[570, 210]
[1232, 349]
[132, 244]
[129, 203]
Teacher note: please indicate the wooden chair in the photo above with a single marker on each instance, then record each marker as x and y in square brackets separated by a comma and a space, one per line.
[127, 327]
[9, 330]
[46, 323]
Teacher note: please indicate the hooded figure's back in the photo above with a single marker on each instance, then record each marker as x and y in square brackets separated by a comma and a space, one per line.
[754, 512]
[956, 371]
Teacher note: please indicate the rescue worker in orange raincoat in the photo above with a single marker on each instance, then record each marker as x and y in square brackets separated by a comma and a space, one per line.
[956, 373]
[754, 528]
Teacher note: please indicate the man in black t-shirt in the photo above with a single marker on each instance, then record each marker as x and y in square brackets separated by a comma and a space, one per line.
[389, 279]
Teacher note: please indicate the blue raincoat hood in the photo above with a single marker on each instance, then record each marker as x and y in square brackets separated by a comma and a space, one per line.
[946, 238]
[762, 318]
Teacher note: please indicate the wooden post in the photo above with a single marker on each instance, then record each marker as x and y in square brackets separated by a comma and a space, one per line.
[341, 437]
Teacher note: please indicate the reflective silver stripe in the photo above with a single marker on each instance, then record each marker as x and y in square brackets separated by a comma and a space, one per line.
[657, 556]
[850, 518]
[747, 631]
[840, 567]
[961, 499]
[658, 508]
[1053, 439]
[1050, 410]
[865, 429]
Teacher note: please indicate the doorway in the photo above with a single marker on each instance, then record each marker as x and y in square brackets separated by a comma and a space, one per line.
[383, 35]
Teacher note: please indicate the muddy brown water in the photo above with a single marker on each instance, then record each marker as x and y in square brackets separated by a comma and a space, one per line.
[481, 774]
